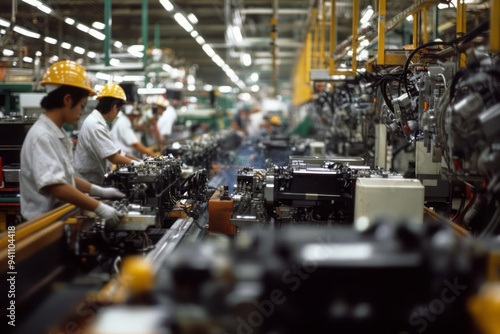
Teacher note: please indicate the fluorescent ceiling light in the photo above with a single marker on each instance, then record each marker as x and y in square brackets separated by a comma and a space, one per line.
[118, 78]
[135, 48]
[65, 45]
[200, 40]
[151, 91]
[97, 34]
[28, 59]
[167, 5]
[178, 85]
[367, 16]
[194, 34]
[69, 21]
[102, 76]
[34, 3]
[91, 54]
[3, 31]
[50, 40]
[254, 76]
[26, 32]
[191, 88]
[53, 59]
[255, 88]
[225, 67]
[240, 84]
[208, 88]
[166, 68]
[192, 18]
[4, 23]
[133, 78]
[38, 53]
[225, 89]
[44, 8]
[183, 22]
[246, 59]
[114, 62]
[82, 27]
[98, 88]
[8, 53]
[118, 44]
[79, 50]
[208, 50]
[237, 34]
[190, 79]
[98, 25]
[409, 18]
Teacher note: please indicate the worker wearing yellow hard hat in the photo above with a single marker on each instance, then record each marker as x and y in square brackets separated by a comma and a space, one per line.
[95, 148]
[47, 175]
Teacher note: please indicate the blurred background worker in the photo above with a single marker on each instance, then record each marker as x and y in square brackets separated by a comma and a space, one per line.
[95, 147]
[123, 135]
[241, 120]
[47, 176]
[166, 120]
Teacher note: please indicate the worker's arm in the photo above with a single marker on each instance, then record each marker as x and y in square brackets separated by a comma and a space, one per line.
[82, 185]
[119, 159]
[131, 157]
[157, 134]
[143, 149]
[67, 193]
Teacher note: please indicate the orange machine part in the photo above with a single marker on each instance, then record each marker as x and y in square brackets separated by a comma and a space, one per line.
[219, 214]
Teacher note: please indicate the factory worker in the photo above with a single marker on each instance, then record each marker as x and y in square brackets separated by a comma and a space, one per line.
[123, 135]
[167, 119]
[47, 176]
[95, 147]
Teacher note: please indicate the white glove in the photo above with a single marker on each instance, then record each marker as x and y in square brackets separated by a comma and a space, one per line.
[137, 163]
[105, 192]
[109, 213]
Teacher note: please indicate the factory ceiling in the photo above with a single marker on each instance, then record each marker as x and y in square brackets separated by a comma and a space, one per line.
[220, 23]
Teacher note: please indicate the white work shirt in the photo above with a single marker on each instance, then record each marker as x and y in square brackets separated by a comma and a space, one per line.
[123, 135]
[93, 148]
[46, 157]
[166, 121]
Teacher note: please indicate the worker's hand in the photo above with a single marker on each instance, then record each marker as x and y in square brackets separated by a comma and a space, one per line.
[109, 213]
[105, 192]
[137, 163]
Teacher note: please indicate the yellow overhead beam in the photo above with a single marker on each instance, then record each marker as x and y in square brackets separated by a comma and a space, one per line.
[494, 25]
[355, 23]
[333, 32]
[425, 32]
[381, 31]
[323, 36]
[316, 55]
[462, 26]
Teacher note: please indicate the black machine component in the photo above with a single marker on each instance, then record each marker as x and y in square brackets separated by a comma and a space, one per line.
[297, 193]
[155, 183]
[387, 278]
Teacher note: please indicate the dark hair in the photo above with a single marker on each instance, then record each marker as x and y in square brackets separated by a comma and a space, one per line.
[107, 103]
[55, 98]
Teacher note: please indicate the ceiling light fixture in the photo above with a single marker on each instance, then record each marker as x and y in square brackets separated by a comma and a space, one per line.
[44, 8]
[79, 50]
[246, 59]
[65, 45]
[225, 89]
[91, 54]
[98, 25]
[114, 62]
[4, 23]
[208, 50]
[183, 22]
[208, 88]
[82, 27]
[97, 34]
[200, 40]
[28, 59]
[133, 78]
[254, 76]
[26, 32]
[194, 34]
[255, 88]
[69, 21]
[50, 40]
[8, 53]
[118, 44]
[191, 88]
[167, 5]
[192, 18]
[238, 37]
[367, 15]
[102, 76]
[151, 91]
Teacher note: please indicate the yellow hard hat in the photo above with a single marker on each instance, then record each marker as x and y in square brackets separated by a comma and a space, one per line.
[275, 120]
[112, 90]
[68, 73]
